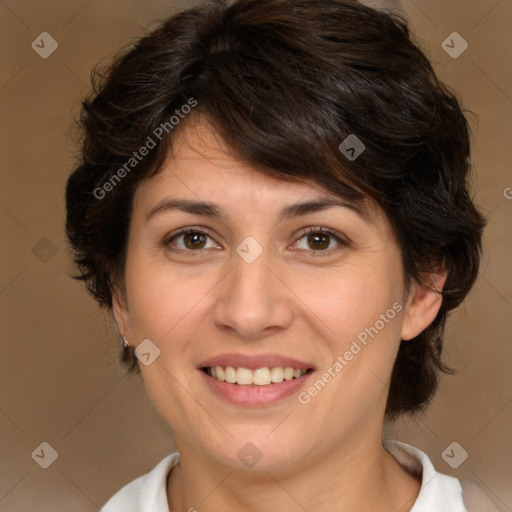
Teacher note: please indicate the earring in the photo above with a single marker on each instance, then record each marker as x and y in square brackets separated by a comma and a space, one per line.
[125, 343]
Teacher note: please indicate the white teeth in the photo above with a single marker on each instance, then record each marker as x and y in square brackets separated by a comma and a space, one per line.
[288, 373]
[243, 376]
[230, 374]
[260, 377]
[276, 375]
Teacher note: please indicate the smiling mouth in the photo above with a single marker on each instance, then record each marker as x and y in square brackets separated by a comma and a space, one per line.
[264, 376]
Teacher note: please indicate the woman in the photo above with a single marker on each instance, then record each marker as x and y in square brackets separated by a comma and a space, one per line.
[272, 200]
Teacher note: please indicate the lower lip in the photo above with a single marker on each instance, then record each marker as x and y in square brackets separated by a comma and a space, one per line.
[254, 396]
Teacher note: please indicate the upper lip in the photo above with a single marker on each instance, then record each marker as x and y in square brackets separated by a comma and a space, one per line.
[253, 362]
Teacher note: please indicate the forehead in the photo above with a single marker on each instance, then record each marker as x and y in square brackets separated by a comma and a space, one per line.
[199, 152]
[200, 166]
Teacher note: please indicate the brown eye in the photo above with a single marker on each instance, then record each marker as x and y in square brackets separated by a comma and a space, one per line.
[318, 241]
[191, 240]
[194, 240]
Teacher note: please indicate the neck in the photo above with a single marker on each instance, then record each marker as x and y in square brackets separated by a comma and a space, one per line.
[362, 477]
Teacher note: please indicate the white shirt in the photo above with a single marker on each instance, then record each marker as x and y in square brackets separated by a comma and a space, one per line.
[439, 493]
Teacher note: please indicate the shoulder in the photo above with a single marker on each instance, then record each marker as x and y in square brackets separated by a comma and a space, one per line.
[146, 493]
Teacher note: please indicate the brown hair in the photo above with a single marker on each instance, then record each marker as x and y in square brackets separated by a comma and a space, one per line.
[284, 82]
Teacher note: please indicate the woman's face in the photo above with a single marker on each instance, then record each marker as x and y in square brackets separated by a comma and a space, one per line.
[247, 287]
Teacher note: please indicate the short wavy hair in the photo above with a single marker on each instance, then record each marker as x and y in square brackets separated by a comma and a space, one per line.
[284, 82]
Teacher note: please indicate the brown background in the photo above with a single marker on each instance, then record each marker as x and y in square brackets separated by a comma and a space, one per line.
[60, 380]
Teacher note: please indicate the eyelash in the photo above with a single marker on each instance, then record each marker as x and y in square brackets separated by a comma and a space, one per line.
[307, 231]
[318, 230]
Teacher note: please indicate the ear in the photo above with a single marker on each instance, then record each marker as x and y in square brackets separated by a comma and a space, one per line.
[121, 314]
[423, 304]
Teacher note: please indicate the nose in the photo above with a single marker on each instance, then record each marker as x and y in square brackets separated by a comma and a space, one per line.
[253, 301]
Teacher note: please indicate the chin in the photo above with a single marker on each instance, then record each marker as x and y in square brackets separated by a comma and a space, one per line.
[254, 449]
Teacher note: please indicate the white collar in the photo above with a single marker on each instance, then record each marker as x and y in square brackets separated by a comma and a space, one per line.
[438, 493]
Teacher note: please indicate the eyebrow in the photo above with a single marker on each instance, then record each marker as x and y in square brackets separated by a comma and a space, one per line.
[207, 209]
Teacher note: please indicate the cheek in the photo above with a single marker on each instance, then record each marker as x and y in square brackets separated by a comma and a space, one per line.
[360, 310]
[163, 301]
[167, 309]
[350, 300]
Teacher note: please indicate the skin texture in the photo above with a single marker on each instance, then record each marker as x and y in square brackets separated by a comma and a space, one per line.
[293, 300]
